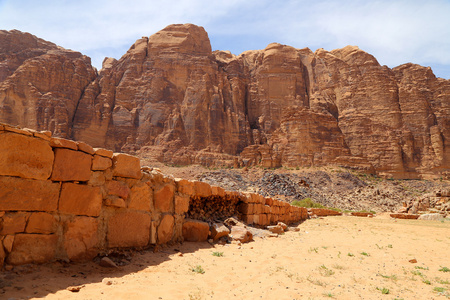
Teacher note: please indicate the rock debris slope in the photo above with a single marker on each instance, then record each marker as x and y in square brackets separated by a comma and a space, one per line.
[172, 97]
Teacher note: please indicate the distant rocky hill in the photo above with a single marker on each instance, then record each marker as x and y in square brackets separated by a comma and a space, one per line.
[172, 98]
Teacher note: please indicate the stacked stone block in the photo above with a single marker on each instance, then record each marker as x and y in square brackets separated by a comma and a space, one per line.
[61, 199]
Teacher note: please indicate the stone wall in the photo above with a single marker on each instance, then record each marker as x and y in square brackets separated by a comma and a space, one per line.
[61, 199]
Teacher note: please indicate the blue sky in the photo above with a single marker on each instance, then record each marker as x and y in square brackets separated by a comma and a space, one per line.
[395, 32]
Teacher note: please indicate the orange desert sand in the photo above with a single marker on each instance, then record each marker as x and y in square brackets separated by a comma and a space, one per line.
[334, 257]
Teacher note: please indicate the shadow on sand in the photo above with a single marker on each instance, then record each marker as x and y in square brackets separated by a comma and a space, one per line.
[38, 281]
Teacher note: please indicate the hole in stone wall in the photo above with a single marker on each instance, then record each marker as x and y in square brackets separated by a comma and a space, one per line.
[213, 208]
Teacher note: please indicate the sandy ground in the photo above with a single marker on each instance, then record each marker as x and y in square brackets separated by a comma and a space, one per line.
[335, 257]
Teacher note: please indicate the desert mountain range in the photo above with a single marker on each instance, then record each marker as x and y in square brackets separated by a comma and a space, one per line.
[172, 98]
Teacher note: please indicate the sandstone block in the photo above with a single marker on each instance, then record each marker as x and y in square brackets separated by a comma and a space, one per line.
[219, 230]
[2, 257]
[118, 188]
[41, 222]
[82, 146]
[18, 130]
[30, 195]
[165, 229]
[104, 152]
[14, 223]
[218, 191]
[248, 219]
[153, 232]
[141, 197]
[163, 198]
[45, 135]
[80, 199]
[63, 143]
[97, 179]
[195, 231]
[181, 204]
[33, 248]
[246, 208]
[100, 163]
[8, 242]
[25, 156]
[129, 229]
[185, 187]
[71, 165]
[241, 234]
[202, 189]
[125, 165]
[114, 201]
[81, 238]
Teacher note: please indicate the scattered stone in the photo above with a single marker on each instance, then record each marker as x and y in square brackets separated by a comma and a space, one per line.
[218, 230]
[75, 289]
[106, 262]
[433, 217]
[413, 261]
[241, 234]
[276, 229]
[107, 281]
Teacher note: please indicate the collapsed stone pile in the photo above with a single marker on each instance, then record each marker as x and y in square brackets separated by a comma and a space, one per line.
[430, 206]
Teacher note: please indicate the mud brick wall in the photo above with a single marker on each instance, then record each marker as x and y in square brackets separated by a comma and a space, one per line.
[61, 199]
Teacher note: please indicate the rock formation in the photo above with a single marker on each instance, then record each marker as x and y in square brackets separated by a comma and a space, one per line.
[171, 96]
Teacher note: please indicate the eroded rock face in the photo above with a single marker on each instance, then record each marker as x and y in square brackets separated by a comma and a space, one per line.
[171, 96]
[40, 83]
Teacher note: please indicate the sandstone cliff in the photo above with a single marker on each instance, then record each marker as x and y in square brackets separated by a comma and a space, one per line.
[171, 96]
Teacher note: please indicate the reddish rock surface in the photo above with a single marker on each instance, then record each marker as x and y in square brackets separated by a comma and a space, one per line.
[195, 230]
[16, 159]
[129, 229]
[28, 195]
[32, 248]
[173, 99]
[80, 200]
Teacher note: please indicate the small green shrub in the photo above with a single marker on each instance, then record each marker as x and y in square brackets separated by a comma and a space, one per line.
[384, 291]
[307, 202]
[198, 269]
[444, 269]
[218, 254]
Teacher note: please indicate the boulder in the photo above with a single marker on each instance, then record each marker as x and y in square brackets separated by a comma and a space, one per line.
[195, 231]
[434, 217]
[218, 230]
[241, 234]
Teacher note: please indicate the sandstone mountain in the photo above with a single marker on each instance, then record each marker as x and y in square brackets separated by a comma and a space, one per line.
[171, 97]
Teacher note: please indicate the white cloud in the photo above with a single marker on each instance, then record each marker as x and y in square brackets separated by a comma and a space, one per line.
[393, 31]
